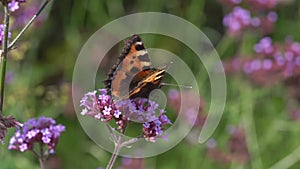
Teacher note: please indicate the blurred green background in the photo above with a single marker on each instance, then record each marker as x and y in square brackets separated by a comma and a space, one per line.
[256, 130]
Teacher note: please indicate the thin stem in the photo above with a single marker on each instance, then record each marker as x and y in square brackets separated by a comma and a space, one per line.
[28, 24]
[114, 137]
[4, 54]
[42, 157]
[131, 141]
[36, 154]
[118, 147]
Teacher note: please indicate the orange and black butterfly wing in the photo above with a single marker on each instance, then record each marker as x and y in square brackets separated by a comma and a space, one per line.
[126, 74]
[149, 83]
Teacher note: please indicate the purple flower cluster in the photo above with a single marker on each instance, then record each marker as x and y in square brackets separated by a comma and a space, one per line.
[155, 128]
[42, 130]
[272, 62]
[237, 20]
[284, 58]
[240, 19]
[14, 5]
[99, 105]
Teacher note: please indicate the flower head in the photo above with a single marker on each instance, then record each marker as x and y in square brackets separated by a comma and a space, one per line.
[237, 20]
[99, 105]
[155, 127]
[14, 5]
[42, 130]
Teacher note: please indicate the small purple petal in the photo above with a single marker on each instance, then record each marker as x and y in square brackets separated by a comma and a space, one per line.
[298, 61]
[267, 64]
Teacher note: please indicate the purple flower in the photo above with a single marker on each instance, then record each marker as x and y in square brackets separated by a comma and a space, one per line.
[255, 22]
[42, 130]
[264, 46]
[13, 5]
[2, 28]
[255, 64]
[211, 143]
[155, 128]
[99, 105]
[246, 67]
[295, 47]
[267, 64]
[280, 60]
[237, 20]
[272, 16]
[298, 61]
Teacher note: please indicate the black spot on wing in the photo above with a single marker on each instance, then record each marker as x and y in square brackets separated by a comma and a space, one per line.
[139, 47]
[144, 58]
[134, 70]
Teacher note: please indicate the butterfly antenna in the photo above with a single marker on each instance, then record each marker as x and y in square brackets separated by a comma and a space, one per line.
[182, 86]
[166, 66]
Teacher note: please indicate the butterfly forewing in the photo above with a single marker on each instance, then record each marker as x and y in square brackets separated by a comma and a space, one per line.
[123, 76]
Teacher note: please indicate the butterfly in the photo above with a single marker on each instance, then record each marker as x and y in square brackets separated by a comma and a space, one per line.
[133, 75]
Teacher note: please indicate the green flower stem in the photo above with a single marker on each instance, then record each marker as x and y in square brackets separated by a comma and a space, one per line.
[4, 53]
[28, 24]
[118, 147]
[42, 158]
[6, 47]
[113, 135]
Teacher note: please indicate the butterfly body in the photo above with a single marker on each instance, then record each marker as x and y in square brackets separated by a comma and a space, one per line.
[133, 75]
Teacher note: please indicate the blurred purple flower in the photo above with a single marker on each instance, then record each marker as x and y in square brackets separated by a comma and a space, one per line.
[272, 16]
[255, 22]
[267, 64]
[255, 65]
[13, 5]
[2, 27]
[280, 60]
[237, 20]
[42, 130]
[211, 143]
[298, 61]
[264, 46]
[272, 62]
[9, 77]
